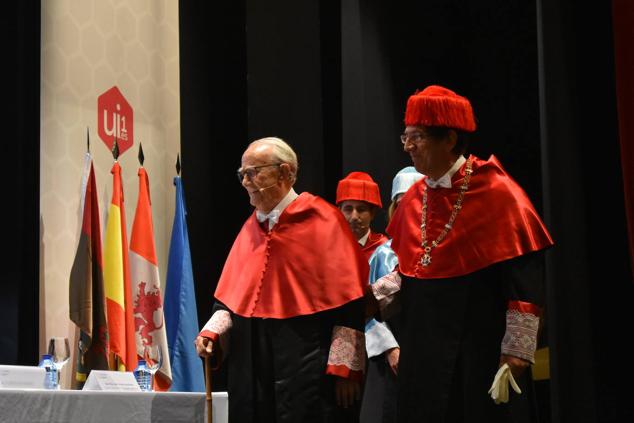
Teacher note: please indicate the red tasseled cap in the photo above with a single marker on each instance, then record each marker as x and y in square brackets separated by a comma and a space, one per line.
[359, 186]
[438, 106]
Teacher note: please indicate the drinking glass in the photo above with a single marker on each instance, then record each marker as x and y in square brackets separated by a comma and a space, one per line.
[153, 360]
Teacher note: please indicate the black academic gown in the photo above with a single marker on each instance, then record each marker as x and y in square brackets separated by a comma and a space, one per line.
[286, 289]
[450, 336]
[277, 367]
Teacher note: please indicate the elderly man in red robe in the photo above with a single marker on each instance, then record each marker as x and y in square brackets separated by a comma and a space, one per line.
[289, 312]
[469, 244]
[359, 198]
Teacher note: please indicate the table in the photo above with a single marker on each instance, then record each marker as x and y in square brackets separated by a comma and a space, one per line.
[38, 405]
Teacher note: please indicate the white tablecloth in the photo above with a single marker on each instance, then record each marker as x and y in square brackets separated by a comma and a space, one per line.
[24, 405]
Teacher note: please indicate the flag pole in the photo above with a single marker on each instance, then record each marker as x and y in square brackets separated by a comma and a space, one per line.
[141, 156]
[208, 389]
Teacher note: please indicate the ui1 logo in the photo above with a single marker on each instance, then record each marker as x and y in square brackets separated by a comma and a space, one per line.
[115, 119]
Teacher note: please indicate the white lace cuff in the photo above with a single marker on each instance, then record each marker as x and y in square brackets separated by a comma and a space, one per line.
[385, 290]
[386, 286]
[347, 349]
[220, 323]
[520, 339]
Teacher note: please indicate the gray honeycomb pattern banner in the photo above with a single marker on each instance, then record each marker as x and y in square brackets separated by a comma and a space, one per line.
[89, 46]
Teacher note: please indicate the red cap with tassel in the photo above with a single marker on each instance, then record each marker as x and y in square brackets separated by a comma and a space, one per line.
[359, 186]
[439, 106]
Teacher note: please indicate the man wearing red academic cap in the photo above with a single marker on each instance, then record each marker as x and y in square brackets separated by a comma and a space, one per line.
[469, 245]
[289, 309]
[358, 198]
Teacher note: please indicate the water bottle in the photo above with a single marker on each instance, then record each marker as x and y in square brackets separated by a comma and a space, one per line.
[143, 376]
[50, 382]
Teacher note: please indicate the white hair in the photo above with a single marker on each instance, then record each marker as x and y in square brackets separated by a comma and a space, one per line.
[282, 152]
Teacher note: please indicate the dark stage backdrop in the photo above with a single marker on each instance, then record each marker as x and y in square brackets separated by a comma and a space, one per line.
[19, 261]
[332, 78]
[589, 277]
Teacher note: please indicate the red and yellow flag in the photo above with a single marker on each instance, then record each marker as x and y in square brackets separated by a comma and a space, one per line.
[116, 275]
[146, 286]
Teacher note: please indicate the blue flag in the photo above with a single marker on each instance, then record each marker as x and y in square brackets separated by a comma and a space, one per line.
[181, 317]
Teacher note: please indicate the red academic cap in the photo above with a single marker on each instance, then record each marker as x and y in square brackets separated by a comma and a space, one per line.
[439, 106]
[359, 186]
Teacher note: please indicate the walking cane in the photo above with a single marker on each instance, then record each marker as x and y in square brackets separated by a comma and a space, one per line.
[208, 389]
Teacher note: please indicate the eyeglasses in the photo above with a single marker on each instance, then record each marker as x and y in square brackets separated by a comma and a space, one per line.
[252, 172]
[413, 137]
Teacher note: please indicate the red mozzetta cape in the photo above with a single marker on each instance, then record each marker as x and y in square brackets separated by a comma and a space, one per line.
[497, 222]
[373, 241]
[308, 263]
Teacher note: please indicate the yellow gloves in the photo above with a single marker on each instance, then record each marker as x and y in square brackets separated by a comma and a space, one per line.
[500, 388]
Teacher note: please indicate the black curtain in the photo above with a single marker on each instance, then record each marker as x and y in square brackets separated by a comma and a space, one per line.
[19, 264]
[214, 112]
[623, 16]
[589, 279]
[332, 78]
[391, 49]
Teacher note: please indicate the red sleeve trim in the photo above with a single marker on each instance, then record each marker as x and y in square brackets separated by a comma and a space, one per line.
[344, 372]
[525, 307]
[209, 334]
[216, 356]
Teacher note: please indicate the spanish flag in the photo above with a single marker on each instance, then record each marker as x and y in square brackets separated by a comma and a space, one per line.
[146, 286]
[116, 275]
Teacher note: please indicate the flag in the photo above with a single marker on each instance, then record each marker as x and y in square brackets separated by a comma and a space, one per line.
[116, 275]
[87, 303]
[181, 316]
[146, 285]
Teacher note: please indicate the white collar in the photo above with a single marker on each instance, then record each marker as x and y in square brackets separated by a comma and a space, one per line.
[445, 180]
[364, 238]
[274, 215]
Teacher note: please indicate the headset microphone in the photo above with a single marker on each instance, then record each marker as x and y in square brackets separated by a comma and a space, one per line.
[264, 188]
